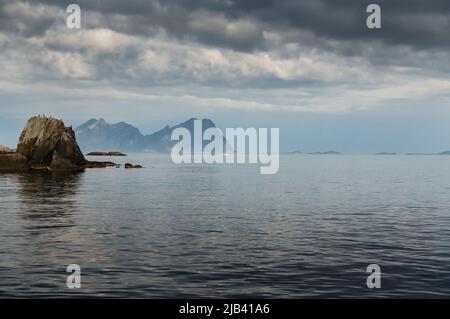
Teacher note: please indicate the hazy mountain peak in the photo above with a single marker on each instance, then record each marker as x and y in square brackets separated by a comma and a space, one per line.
[99, 122]
[87, 124]
[98, 135]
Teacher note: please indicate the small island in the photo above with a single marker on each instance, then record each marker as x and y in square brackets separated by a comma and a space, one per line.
[106, 154]
[128, 166]
[326, 153]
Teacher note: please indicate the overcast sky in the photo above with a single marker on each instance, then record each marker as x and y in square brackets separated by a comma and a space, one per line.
[312, 68]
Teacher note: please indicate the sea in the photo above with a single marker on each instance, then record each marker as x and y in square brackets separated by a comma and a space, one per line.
[226, 231]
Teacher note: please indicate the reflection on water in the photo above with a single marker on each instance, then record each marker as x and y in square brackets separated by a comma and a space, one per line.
[47, 200]
[226, 231]
[36, 226]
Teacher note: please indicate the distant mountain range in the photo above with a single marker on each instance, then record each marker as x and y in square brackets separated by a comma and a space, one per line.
[383, 153]
[442, 153]
[326, 153]
[98, 135]
[296, 152]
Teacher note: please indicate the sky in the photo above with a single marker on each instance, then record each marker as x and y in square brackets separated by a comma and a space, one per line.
[311, 68]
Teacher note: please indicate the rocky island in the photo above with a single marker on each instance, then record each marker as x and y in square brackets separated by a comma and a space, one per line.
[326, 153]
[46, 144]
[128, 165]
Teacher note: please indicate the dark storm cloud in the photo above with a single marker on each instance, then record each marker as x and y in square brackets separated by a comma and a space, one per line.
[418, 23]
[16, 18]
[412, 22]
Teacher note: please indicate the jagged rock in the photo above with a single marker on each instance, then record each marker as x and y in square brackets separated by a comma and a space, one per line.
[13, 162]
[43, 136]
[45, 144]
[128, 165]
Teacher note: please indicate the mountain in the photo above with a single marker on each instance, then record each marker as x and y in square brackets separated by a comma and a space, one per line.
[98, 135]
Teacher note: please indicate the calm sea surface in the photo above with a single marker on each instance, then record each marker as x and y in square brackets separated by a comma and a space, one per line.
[171, 231]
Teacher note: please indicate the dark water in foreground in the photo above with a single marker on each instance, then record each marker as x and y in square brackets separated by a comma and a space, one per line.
[227, 231]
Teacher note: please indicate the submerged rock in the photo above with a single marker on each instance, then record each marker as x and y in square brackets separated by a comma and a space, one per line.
[128, 165]
[93, 164]
[106, 154]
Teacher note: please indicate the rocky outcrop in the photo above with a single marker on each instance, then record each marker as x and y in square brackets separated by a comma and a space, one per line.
[49, 145]
[46, 144]
[13, 162]
[42, 137]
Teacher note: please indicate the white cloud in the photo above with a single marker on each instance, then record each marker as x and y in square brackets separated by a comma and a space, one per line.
[190, 60]
[70, 65]
[97, 40]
